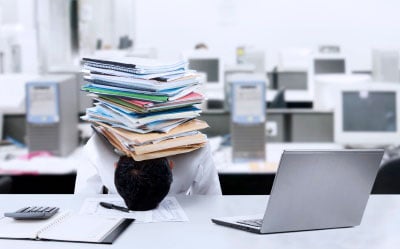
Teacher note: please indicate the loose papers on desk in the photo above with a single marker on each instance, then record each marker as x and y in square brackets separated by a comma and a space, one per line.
[145, 97]
[168, 210]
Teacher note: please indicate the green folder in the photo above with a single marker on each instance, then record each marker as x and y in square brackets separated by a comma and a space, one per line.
[139, 96]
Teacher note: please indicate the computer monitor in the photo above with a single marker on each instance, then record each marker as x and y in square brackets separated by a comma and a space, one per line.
[327, 84]
[366, 115]
[294, 74]
[253, 57]
[12, 97]
[329, 64]
[293, 80]
[298, 85]
[385, 65]
[212, 67]
[294, 59]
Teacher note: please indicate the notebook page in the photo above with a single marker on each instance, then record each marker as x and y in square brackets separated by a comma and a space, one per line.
[23, 229]
[83, 228]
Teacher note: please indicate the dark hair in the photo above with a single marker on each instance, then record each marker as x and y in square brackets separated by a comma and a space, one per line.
[142, 185]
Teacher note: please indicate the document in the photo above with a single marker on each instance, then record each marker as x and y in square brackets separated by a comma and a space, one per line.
[147, 106]
[137, 139]
[160, 146]
[91, 69]
[66, 226]
[137, 65]
[168, 210]
[180, 80]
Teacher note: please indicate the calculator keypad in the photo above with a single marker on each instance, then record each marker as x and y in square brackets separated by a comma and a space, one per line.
[33, 213]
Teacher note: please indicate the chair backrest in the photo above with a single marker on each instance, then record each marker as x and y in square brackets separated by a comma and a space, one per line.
[279, 100]
[388, 178]
[5, 184]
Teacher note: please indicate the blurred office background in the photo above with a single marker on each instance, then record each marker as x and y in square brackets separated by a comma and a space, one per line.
[329, 72]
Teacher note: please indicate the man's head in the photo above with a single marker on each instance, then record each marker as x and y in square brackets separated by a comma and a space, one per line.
[142, 185]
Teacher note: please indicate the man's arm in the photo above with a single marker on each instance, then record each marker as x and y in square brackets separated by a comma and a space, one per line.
[206, 181]
[102, 158]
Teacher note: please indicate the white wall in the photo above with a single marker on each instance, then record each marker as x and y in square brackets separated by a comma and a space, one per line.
[8, 12]
[107, 20]
[17, 28]
[357, 25]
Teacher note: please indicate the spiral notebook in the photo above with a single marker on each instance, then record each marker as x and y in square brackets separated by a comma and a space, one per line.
[66, 226]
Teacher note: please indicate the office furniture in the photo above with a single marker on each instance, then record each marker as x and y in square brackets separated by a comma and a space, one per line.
[5, 184]
[367, 115]
[385, 65]
[292, 59]
[311, 126]
[43, 183]
[293, 80]
[15, 127]
[223, 159]
[378, 228]
[45, 175]
[254, 177]
[1, 126]
[289, 125]
[279, 100]
[251, 56]
[51, 109]
[293, 73]
[231, 70]
[329, 63]
[388, 178]
[12, 94]
[299, 85]
[213, 68]
[327, 84]
[84, 101]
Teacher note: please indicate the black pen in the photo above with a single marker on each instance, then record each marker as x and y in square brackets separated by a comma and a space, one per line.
[112, 206]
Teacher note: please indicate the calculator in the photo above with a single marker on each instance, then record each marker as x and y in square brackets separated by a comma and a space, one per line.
[33, 213]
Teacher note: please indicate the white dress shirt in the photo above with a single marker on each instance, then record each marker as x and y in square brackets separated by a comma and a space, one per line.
[193, 172]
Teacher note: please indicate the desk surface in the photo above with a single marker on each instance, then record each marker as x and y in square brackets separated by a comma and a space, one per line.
[223, 157]
[39, 165]
[379, 228]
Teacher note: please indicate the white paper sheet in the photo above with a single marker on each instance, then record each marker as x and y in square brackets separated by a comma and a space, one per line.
[168, 210]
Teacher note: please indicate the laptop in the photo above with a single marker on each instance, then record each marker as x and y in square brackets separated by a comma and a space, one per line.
[315, 190]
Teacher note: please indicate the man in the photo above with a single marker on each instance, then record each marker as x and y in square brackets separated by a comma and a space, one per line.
[193, 173]
[142, 185]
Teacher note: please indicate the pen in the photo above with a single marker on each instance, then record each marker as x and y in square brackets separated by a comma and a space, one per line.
[112, 206]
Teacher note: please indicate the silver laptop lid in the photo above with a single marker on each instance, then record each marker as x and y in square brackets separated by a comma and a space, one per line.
[321, 189]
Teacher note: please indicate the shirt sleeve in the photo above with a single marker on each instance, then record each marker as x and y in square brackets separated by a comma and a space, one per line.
[206, 181]
[102, 158]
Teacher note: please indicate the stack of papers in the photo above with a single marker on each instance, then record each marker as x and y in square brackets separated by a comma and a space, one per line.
[145, 108]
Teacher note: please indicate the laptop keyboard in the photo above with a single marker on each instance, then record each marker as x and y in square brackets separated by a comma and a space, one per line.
[253, 222]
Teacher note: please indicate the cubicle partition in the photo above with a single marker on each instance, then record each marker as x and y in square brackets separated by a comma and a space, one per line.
[283, 125]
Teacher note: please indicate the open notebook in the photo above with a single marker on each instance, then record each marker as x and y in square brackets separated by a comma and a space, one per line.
[65, 227]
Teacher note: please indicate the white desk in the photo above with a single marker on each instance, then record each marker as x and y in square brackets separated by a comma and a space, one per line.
[223, 157]
[39, 165]
[379, 229]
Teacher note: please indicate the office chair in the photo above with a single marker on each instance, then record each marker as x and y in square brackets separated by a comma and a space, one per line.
[388, 178]
[5, 184]
[279, 100]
